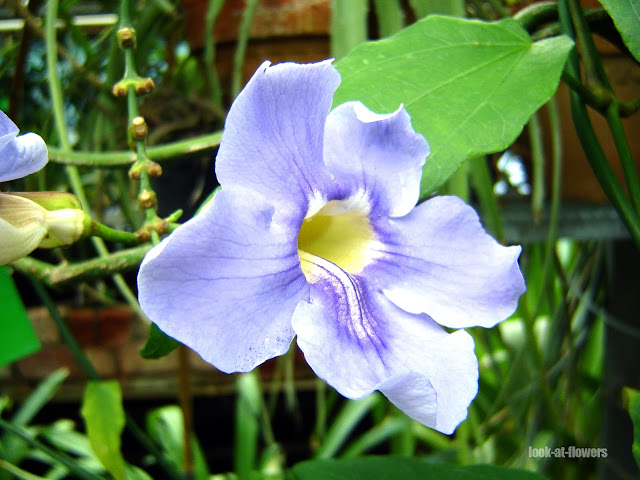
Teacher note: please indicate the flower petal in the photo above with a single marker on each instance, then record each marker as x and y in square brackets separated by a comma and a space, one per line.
[440, 261]
[22, 227]
[358, 341]
[226, 283]
[451, 368]
[378, 154]
[19, 156]
[272, 141]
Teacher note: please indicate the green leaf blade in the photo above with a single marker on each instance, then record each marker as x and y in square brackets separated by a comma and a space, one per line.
[632, 400]
[469, 86]
[104, 418]
[158, 344]
[626, 17]
[406, 468]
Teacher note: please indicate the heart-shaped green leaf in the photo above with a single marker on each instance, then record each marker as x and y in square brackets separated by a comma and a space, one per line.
[626, 16]
[470, 86]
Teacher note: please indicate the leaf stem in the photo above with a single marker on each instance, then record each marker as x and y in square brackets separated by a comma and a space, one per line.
[589, 141]
[483, 185]
[538, 161]
[213, 10]
[624, 153]
[72, 170]
[67, 461]
[241, 47]
[156, 153]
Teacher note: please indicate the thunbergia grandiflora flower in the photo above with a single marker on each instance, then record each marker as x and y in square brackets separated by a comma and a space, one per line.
[316, 234]
[24, 223]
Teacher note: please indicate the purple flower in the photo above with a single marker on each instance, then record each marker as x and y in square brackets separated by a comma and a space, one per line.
[315, 234]
[19, 155]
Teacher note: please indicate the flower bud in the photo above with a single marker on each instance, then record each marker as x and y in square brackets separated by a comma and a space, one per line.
[22, 227]
[51, 200]
[64, 227]
[30, 220]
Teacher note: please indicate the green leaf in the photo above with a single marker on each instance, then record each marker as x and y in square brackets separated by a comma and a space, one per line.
[632, 398]
[158, 345]
[104, 418]
[405, 468]
[470, 86]
[626, 16]
[17, 337]
[166, 427]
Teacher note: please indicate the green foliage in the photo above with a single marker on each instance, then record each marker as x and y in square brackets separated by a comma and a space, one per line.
[633, 405]
[383, 468]
[469, 86]
[104, 418]
[166, 427]
[626, 16]
[12, 448]
[248, 405]
[158, 344]
[18, 338]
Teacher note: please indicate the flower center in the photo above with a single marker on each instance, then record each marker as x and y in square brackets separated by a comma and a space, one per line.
[337, 234]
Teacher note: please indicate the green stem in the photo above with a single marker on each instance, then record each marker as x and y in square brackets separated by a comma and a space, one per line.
[54, 275]
[91, 372]
[499, 8]
[536, 14]
[118, 159]
[17, 472]
[130, 73]
[556, 182]
[97, 229]
[246, 424]
[72, 170]
[594, 71]
[241, 48]
[481, 178]
[65, 333]
[458, 183]
[321, 411]
[531, 340]
[629, 108]
[598, 100]
[64, 459]
[131, 214]
[344, 424]
[390, 16]
[538, 161]
[210, 51]
[590, 144]
[462, 442]
[624, 153]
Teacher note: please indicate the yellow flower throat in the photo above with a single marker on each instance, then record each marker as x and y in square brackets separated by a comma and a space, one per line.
[340, 239]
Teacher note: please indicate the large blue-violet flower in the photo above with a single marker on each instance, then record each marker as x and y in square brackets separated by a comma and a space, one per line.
[316, 234]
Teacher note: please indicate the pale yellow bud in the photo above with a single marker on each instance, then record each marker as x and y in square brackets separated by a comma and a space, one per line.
[25, 226]
[22, 227]
[64, 227]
